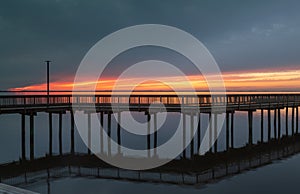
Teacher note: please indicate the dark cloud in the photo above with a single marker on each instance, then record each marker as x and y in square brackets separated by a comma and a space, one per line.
[240, 34]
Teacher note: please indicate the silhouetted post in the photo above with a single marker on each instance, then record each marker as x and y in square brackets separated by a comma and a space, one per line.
[148, 134]
[269, 124]
[89, 132]
[262, 126]
[50, 133]
[293, 120]
[231, 133]
[72, 132]
[119, 132]
[192, 134]
[297, 120]
[23, 138]
[275, 123]
[109, 133]
[250, 125]
[60, 133]
[216, 132]
[155, 134]
[101, 133]
[286, 121]
[31, 136]
[199, 132]
[48, 81]
[184, 134]
[210, 132]
[227, 131]
[279, 124]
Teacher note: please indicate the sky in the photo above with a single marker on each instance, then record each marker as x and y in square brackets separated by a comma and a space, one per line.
[255, 43]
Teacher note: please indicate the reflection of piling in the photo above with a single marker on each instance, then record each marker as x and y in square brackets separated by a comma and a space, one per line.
[48, 181]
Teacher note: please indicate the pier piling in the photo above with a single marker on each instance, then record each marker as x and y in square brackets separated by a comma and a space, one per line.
[23, 131]
[31, 136]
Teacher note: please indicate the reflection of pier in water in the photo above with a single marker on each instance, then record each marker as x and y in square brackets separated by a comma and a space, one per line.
[200, 169]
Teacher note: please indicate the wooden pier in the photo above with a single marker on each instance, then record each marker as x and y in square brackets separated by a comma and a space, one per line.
[194, 106]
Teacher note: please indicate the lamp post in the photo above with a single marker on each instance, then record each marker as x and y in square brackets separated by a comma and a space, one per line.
[48, 83]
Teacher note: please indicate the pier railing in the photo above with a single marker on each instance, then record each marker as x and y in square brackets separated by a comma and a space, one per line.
[133, 100]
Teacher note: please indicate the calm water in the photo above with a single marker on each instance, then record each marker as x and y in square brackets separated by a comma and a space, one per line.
[280, 177]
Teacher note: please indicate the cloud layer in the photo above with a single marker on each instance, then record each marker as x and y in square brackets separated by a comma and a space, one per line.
[241, 35]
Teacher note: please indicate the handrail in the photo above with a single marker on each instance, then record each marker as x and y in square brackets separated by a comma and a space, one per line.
[200, 100]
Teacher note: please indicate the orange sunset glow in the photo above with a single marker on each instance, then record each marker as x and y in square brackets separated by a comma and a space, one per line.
[237, 81]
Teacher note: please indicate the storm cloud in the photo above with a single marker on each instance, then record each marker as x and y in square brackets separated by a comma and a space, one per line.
[241, 35]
